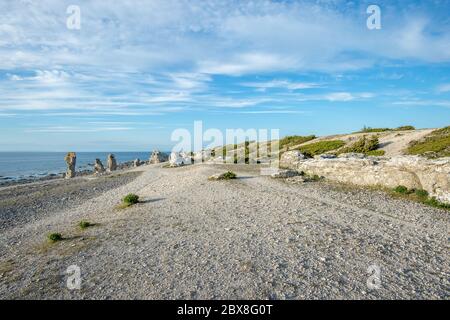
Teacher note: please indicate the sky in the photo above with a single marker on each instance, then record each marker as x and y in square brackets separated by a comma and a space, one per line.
[135, 71]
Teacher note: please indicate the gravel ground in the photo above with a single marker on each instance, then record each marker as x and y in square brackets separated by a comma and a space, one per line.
[250, 238]
[21, 204]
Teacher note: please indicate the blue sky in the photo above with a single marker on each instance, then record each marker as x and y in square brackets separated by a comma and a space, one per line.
[137, 70]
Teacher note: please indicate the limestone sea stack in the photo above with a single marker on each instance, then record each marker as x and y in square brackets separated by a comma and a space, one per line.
[98, 167]
[71, 160]
[157, 157]
[111, 163]
[136, 163]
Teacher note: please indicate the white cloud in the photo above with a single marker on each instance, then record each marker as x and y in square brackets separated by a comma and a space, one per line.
[280, 84]
[444, 88]
[68, 129]
[340, 96]
[217, 37]
[418, 102]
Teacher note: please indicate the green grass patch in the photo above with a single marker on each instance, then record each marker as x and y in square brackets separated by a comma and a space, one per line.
[435, 145]
[321, 147]
[376, 153]
[371, 130]
[421, 196]
[401, 189]
[84, 224]
[54, 237]
[290, 141]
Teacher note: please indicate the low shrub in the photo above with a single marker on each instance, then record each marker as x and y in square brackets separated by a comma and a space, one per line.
[224, 176]
[421, 196]
[363, 145]
[131, 198]
[321, 147]
[229, 175]
[401, 189]
[55, 237]
[421, 193]
[84, 224]
[405, 128]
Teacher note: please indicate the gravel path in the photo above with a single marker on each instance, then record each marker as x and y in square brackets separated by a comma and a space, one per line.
[251, 238]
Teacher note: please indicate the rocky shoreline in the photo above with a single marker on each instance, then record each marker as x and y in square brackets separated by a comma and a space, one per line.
[12, 181]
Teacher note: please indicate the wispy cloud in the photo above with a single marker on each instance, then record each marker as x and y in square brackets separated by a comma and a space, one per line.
[284, 84]
[66, 129]
[445, 87]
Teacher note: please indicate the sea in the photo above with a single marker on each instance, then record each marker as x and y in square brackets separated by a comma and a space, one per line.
[28, 165]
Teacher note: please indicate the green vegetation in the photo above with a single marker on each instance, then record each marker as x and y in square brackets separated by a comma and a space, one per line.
[405, 128]
[129, 200]
[314, 177]
[55, 237]
[370, 130]
[435, 145]
[228, 175]
[421, 196]
[321, 147]
[84, 224]
[401, 189]
[290, 141]
[376, 153]
[363, 145]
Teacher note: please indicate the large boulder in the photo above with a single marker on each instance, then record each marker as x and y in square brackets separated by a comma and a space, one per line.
[71, 161]
[111, 163]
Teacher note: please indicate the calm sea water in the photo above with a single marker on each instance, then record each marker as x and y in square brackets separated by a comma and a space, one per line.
[19, 165]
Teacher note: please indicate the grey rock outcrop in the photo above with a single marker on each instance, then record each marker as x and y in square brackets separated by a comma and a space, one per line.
[285, 174]
[98, 167]
[290, 158]
[352, 155]
[111, 163]
[412, 172]
[136, 163]
[71, 160]
[325, 156]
